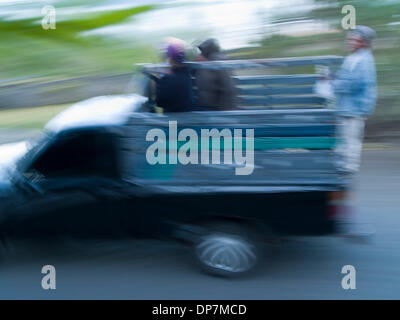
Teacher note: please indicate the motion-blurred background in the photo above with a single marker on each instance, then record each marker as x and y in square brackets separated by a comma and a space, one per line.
[96, 42]
[92, 52]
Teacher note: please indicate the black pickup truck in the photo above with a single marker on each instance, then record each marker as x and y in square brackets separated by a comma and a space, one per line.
[94, 172]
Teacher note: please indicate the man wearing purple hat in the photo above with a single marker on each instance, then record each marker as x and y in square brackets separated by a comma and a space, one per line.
[174, 90]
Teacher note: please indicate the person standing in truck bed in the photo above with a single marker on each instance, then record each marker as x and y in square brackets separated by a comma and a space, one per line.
[356, 93]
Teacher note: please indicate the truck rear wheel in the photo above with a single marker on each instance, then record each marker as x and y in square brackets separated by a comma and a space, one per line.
[226, 251]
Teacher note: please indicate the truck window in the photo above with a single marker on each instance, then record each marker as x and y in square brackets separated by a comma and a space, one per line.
[83, 154]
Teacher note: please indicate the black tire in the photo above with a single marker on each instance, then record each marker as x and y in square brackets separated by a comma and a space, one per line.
[226, 249]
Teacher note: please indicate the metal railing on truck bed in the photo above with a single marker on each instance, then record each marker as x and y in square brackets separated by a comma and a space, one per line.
[293, 143]
[259, 86]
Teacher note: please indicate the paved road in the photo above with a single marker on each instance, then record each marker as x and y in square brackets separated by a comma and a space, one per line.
[308, 268]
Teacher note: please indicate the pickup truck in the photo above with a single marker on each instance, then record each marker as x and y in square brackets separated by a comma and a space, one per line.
[89, 174]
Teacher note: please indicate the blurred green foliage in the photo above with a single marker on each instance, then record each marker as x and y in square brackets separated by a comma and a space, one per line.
[27, 50]
[29, 118]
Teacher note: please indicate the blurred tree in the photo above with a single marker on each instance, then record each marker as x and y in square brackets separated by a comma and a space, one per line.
[27, 49]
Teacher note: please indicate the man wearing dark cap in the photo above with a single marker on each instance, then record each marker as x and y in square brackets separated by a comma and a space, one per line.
[215, 87]
[356, 94]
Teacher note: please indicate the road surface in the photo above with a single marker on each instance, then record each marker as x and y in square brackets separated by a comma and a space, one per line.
[307, 268]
